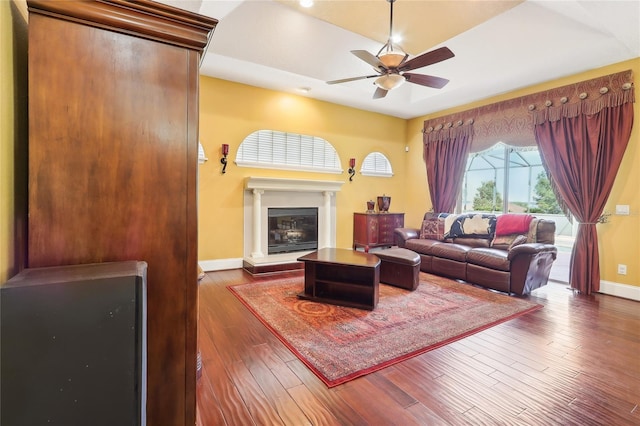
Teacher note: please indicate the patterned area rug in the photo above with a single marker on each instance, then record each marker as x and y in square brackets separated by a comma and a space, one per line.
[339, 344]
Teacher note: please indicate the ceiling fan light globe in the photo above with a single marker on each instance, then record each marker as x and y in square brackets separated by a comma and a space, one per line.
[389, 81]
[391, 59]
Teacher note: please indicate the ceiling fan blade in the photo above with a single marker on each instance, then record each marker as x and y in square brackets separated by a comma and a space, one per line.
[369, 58]
[345, 80]
[380, 93]
[428, 58]
[426, 80]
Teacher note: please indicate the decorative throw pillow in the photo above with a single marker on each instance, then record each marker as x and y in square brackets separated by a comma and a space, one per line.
[432, 229]
[520, 239]
[504, 241]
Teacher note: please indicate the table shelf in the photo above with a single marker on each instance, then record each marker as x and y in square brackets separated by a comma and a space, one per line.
[342, 277]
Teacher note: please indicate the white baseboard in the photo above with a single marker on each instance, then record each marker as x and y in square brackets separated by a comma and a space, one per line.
[606, 287]
[220, 264]
[620, 290]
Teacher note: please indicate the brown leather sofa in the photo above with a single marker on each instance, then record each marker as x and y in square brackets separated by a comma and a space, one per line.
[516, 263]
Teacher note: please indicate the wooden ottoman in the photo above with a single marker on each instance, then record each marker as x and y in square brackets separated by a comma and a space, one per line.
[399, 267]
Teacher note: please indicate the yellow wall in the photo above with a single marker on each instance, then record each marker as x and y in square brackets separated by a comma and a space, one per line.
[13, 123]
[229, 112]
[619, 240]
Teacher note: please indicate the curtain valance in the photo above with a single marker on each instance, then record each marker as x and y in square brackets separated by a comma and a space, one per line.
[614, 94]
[447, 131]
[512, 121]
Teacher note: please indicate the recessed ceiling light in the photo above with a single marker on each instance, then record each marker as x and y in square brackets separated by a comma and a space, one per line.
[306, 3]
[304, 89]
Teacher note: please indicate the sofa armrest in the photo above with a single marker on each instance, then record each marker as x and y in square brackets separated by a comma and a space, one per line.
[532, 249]
[530, 266]
[404, 234]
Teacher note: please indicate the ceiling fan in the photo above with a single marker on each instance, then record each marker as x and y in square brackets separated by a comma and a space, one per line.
[391, 65]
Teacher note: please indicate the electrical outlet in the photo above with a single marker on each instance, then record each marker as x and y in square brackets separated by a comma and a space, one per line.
[622, 269]
[622, 209]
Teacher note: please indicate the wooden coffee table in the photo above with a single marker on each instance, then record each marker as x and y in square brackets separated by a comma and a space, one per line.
[341, 277]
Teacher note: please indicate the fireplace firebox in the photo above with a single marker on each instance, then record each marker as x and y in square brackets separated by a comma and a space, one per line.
[292, 229]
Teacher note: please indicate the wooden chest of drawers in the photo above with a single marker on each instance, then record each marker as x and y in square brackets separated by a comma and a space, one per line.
[375, 229]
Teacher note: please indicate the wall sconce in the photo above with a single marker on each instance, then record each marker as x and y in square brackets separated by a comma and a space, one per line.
[223, 160]
[352, 170]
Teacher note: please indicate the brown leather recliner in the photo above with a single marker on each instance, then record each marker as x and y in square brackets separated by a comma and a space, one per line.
[515, 268]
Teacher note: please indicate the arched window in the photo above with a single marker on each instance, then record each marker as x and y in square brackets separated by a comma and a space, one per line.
[376, 164]
[271, 149]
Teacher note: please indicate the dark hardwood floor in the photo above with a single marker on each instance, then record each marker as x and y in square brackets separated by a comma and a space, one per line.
[574, 362]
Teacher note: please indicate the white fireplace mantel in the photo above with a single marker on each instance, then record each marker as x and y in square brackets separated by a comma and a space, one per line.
[264, 192]
[298, 185]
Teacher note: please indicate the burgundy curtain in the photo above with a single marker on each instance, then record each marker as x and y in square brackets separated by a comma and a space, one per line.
[583, 151]
[445, 155]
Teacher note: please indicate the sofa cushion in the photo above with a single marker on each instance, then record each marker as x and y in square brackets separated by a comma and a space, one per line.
[472, 242]
[421, 246]
[489, 258]
[449, 268]
[432, 229]
[450, 251]
[489, 277]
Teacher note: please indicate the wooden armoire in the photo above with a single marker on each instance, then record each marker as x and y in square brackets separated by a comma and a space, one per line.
[113, 156]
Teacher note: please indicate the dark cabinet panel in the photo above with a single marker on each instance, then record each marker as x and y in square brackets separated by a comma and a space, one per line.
[375, 229]
[73, 345]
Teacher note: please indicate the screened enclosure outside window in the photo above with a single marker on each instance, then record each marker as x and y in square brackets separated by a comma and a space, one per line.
[506, 179]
